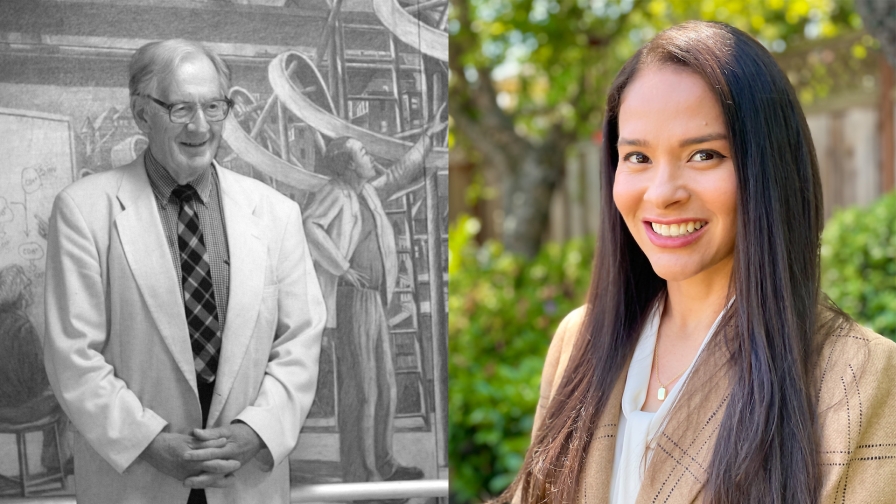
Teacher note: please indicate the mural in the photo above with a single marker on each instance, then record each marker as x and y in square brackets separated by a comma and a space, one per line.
[38, 162]
[371, 74]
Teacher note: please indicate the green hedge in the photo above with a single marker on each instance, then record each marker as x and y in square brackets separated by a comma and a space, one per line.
[858, 263]
[504, 311]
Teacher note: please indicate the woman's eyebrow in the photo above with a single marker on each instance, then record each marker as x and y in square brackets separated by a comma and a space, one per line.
[703, 139]
[634, 142]
[638, 142]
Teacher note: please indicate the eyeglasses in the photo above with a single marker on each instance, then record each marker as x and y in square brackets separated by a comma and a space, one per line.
[183, 113]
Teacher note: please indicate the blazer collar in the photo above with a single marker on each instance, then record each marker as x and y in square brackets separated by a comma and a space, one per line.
[595, 479]
[677, 471]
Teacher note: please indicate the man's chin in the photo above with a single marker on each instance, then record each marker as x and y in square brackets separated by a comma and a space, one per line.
[188, 168]
[197, 160]
[198, 166]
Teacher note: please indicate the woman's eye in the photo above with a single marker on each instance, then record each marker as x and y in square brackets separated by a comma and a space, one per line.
[706, 155]
[637, 158]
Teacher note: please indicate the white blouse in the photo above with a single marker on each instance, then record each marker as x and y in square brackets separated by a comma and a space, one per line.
[634, 438]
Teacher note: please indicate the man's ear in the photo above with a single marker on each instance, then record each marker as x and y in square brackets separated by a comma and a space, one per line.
[138, 109]
[352, 167]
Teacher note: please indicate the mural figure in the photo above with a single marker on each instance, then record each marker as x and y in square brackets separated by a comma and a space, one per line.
[22, 376]
[191, 383]
[353, 245]
[25, 394]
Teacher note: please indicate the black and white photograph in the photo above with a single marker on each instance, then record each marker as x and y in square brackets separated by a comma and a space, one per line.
[297, 285]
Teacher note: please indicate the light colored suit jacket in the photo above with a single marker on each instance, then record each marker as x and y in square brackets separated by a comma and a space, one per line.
[333, 225]
[856, 376]
[117, 347]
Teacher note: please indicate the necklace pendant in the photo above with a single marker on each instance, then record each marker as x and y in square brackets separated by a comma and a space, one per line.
[661, 394]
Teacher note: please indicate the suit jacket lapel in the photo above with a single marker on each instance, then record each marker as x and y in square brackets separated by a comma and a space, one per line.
[248, 260]
[677, 471]
[146, 248]
[598, 471]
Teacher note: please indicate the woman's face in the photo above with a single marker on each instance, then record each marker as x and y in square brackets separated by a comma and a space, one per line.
[675, 183]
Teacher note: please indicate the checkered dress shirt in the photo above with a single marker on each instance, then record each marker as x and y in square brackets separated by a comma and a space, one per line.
[211, 219]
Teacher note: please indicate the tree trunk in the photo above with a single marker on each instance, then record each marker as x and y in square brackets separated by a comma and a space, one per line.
[528, 174]
[526, 196]
[529, 171]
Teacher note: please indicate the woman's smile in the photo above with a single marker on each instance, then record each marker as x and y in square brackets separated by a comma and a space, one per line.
[676, 234]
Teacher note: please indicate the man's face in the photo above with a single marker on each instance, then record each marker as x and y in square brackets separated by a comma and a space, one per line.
[363, 163]
[184, 149]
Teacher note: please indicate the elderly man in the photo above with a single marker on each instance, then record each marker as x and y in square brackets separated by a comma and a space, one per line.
[183, 313]
[353, 244]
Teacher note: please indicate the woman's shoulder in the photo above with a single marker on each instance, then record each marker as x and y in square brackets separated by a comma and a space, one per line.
[571, 323]
[568, 331]
[561, 347]
[856, 370]
[555, 363]
[849, 345]
[856, 375]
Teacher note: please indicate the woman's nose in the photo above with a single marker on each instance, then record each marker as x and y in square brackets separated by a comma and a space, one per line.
[667, 187]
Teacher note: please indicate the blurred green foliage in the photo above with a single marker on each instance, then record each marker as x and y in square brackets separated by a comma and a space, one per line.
[504, 310]
[858, 258]
[562, 54]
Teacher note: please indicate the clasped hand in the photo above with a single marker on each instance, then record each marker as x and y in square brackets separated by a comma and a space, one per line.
[208, 458]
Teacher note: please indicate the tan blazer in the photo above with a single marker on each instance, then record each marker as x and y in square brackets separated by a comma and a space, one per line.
[117, 347]
[857, 414]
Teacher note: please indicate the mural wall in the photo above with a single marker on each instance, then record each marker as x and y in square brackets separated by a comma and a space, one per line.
[304, 73]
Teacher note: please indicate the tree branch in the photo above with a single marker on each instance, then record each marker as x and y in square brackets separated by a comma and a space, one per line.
[474, 106]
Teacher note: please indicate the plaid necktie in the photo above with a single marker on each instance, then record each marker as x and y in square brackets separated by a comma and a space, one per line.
[199, 292]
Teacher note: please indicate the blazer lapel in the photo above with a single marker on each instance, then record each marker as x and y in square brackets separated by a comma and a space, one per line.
[248, 260]
[598, 472]
[677, 471]
[146, 248]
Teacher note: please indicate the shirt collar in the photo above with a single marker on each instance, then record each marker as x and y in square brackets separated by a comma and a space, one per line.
[163, 183]
[641, 366]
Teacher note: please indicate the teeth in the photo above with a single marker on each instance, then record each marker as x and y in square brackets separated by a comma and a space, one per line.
[685, 228]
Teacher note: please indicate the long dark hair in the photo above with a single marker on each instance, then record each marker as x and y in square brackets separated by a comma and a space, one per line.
[766, 450]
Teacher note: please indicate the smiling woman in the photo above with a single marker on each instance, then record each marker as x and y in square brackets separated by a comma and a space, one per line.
[707, 365]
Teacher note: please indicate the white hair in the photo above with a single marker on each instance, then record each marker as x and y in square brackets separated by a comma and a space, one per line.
[156, 61]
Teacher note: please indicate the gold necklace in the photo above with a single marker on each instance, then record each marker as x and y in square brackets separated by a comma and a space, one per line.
[661, 393]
